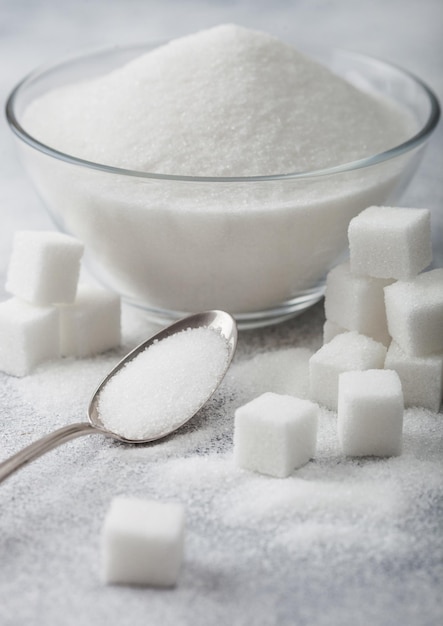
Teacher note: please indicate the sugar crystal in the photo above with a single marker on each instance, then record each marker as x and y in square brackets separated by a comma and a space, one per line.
[164, 385]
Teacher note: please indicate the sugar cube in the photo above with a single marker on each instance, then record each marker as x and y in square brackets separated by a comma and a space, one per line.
[370, 413]
[357, 302]
[414, 310]
[275, 434]
[390, 242]
[91, 324]
[331, 330]
[44, 267]
[28, 336]
[421, 377]
[347, 351]
[142, 542]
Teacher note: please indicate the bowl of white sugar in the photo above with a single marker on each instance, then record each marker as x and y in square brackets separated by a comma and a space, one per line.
[219, 170]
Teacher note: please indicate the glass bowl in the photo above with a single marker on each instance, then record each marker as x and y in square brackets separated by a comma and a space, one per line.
[259, 247]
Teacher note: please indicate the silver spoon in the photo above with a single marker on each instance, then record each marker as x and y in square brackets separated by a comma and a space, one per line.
[218, 320]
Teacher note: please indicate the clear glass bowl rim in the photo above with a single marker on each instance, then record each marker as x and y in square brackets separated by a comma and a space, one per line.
[413, 142]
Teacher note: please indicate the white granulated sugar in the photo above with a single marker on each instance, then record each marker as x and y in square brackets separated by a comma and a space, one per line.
[343, 541]
[164, 385]
[304, 497]
[227, 101]
[63, 387]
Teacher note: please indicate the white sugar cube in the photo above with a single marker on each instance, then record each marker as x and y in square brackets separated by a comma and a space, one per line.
[91, 324]
[414, 311]
[331, 330]
[421, 377]
[370, 413]
[28, 336]
[142, 542]
[357, 302]
[275, 434]
[390, 242]
[347, 351]
[44, 267]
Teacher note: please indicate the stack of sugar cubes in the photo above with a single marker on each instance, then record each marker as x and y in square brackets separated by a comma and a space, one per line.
[383, 335]
[49, 314]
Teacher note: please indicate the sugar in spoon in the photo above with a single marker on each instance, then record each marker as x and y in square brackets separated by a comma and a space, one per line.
[216, 320]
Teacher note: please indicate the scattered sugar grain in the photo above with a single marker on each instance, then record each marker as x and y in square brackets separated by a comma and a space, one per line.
[164, 385]
[263, 502]
[62, 388]
[331, 490]
[375, 524]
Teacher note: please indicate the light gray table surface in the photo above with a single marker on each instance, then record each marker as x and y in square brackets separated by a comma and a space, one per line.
[373, 562]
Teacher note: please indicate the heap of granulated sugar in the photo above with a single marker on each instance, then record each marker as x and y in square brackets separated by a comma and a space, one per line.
[227, 101]
[164, 385]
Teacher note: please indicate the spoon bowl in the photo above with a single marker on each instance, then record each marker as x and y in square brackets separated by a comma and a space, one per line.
[217, 320]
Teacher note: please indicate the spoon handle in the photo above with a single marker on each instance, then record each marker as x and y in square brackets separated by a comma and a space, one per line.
[43, 445]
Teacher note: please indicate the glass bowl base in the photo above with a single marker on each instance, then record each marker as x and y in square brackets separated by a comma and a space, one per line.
[255, 319]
